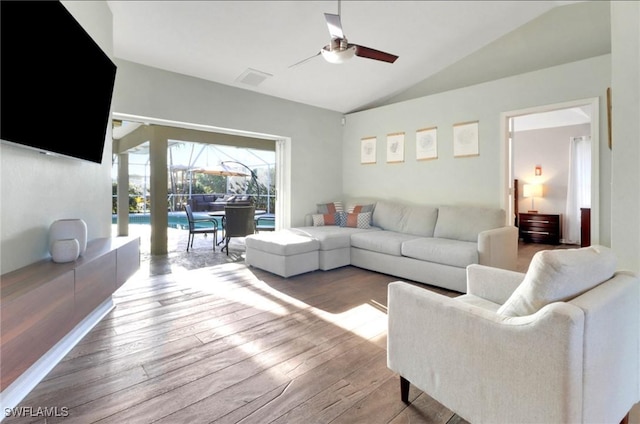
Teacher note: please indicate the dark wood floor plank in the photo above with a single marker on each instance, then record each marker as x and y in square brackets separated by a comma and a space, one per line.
[251, 407]
[313, 382]
[120, 356]
[330, 343]
[98, 334]
[159, 327]
[340, 396]
[65, 374]
[226, 401]
[188, 394]
[163, 314]
[381, 406]
[424, 410]
[83, 392]
[254, 339]
[113, 406]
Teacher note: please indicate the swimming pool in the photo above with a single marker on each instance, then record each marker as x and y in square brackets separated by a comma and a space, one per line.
[176, 219]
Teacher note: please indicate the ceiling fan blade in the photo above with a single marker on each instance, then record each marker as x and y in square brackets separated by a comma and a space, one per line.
[374, 54]
[304, 60]
[334, 24]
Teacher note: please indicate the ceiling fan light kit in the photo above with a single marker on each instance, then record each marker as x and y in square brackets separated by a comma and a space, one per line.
[339, 50]
[338, 56]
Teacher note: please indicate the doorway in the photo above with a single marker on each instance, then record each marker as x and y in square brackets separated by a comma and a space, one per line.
[172, 130]
[554, 197]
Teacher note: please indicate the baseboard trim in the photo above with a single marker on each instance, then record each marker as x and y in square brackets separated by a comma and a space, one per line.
[23, 385]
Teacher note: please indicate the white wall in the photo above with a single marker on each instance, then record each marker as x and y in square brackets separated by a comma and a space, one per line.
[549, 148]
[471, 180]
[37, 189]
[316, 149]
[625, 87]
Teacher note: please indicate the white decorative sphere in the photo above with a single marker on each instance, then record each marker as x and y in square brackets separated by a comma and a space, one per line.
[65, 250]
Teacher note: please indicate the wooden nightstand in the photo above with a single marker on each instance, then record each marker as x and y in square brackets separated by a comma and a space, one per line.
[539, 228]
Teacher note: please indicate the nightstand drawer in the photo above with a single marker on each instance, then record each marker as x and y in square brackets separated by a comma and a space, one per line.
[539, 228]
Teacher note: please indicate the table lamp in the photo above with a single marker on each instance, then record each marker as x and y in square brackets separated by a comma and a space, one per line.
[533, 191]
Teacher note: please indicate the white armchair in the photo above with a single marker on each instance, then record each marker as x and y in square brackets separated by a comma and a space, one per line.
[574, 359]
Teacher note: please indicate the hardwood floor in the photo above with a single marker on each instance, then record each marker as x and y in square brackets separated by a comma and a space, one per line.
[231, 344]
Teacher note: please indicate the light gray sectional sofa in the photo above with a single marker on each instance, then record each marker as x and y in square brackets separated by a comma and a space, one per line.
[427, 244]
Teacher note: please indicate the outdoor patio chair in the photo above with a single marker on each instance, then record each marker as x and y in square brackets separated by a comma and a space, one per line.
[196, 227]
[265, 222]
[238, 222]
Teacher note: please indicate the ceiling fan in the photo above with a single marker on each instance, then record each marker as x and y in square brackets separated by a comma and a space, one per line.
[339, 50]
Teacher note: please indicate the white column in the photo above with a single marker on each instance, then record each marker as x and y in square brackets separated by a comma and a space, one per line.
[123, 194]
[625, 92]
[159, 183]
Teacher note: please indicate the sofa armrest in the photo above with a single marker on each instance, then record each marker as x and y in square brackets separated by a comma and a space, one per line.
[308, 220]
[499, 247]
[492, 284]
[612, 340]
[481, 364]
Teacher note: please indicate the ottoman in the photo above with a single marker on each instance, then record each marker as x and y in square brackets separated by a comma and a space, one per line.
[282, 253]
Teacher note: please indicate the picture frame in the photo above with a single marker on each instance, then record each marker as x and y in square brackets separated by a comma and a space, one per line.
[395, 147]
[368, 150]
[427, 143]
[609, 107]
[465, 139]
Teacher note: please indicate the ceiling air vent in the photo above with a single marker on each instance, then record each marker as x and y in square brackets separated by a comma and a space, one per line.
[253, 77]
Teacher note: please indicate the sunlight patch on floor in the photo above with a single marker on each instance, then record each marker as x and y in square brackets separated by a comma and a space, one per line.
[260, 295]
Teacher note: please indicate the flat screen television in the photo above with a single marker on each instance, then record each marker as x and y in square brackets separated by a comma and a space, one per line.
[56, 83]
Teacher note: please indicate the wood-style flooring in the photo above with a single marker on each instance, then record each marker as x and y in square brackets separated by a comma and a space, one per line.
[231, 344]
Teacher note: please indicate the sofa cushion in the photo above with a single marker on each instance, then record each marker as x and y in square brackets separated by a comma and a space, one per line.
[442, 251]
[466, 222]
[330, 237]
[418, 220]
[388, 242]
[559, 275]
[281, 243]
[240, 198]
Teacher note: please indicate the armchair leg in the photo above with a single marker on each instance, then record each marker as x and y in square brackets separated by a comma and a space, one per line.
[404, 389]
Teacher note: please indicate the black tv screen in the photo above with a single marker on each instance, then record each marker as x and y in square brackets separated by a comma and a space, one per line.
[56, 82]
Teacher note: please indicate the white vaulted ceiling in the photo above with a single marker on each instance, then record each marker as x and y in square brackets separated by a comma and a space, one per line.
[220, 40]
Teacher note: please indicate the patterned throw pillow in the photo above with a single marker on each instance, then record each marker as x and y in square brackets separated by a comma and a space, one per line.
[357, 220]
[341, 219]
[329, 208]
[360, 208]
[320, 220]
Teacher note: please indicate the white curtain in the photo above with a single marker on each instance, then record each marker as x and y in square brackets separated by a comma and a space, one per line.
[578, 187]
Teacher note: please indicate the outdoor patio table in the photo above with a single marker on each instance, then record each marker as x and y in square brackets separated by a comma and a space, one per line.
[221, 214]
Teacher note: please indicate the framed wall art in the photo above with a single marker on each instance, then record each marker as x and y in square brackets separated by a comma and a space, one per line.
[368, 150]
[395, 147]
[465, 139]
[427, 143]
